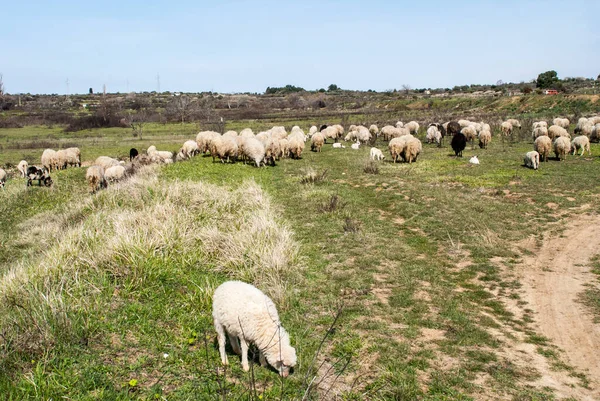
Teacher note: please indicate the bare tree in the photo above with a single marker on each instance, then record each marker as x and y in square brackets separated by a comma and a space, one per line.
[1, 85]
[406, 88]
[138, 119]
[182, 107]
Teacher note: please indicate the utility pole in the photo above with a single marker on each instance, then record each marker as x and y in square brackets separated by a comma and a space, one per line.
[157, 83]
[67, 82]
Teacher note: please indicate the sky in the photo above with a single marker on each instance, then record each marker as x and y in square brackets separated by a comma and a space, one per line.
[245, 46]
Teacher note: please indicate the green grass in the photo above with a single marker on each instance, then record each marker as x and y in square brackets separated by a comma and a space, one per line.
[395, 276]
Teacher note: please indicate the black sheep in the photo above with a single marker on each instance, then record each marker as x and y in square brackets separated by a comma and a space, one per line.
[453, 128]
[133, 152]
[39, 174]
[459, 143]
[323, 127]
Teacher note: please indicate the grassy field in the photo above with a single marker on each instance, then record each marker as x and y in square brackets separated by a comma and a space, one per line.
[389, 283]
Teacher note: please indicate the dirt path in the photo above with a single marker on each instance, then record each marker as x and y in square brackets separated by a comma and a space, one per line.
[552, 279]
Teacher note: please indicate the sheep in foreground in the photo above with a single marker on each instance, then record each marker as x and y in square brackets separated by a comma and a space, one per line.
[376, 154]
[561, 122]
[22, 167]
[272, 151]
[254, 150]
[3, 177]
[543, 145]
[39, 174]
[458, 143]
[532, 160]
[485, 137]
[296, 146]
[95, 178]
[247, 315]
[562, 146]
[396, 147]
[114, 173]
[555, 131]
[224, 148]
[316, 142]
[581, 142]
[412, 149]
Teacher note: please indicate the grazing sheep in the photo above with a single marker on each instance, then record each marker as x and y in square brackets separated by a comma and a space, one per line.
[296, 146]
[562, 146]
[204, 140]
[555, 131]
[338, 145]
[412, 126]
[561, 122]
[458, 143]
[160, 155]
[39, 174]
[231, 134]
[539, 124]
[514, 123]
[133, 153]
[313, 130]
[595, 135]
[433, 135]
[374, 130]
[74, 157]
[376, 154]
[22, 167]
[506, 128]
[412, 149]
[355, 146]
[114, 173]
[106, 162]
[485, 137]
[543, 145]
[399, 124]
[396, 147]
[67, 157]
[224, 148]
[388, 132]
[539, 131]
[330, 132]
[452, 128]
[594, 120]
[48, 159]
[464, 123]
[254, 150]
[486, 127]
[469, 132]
[278, 132]
[190, 149]
[284, 144]
[316, 142]
[95, 178]
[585, 129]
[581, 142]
[580, 123]
[247, 315]
[532, 160]
[273, 151]
[362, 134]
[3, 177]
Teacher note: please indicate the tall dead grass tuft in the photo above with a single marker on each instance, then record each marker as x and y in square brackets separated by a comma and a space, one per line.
[132, 233]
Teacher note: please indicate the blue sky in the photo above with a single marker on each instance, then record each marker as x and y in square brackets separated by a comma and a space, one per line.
[240, 46]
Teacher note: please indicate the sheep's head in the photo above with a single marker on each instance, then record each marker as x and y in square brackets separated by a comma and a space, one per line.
[286, 361]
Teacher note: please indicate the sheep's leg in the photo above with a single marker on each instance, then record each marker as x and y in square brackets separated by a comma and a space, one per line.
[244, 345]
[235, 344]
[221, 339]
[261, 357]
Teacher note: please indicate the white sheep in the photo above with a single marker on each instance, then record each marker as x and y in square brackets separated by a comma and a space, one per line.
[543, 145]
[561, 122]
[246, 133]
[224, 148]
[506, 128]
[374, 130]
[49, 159]
[469, 132]
[355, 146]
[232, 134]
[514, 123]
[296, 145]
[412, 149]
[376, 154]
[556, 130]
[532, 160]
[433, 135]
[313, 130]
[338, 145]
[474, 160]
[464, 123]
[22, 167]
[317, 141]
[539, 131]
[247, 315]
[254, 150]
[204, 139]
[399, 124]
[190, 149]
[3, 177]
[562, 146]
[106, 162]
[413, 127]
[485, 137]
[114, 173]
[95, 178]
[581, 142]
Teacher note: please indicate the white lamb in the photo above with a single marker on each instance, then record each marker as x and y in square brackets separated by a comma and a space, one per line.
[247, 315]
[22, 167]
[114, 173]
[355, 146]
[376, 154]
[338, 145]
[580, 142]
[532, 160]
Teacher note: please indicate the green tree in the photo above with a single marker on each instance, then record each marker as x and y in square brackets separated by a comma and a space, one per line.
[547, 79]
[333, 87]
